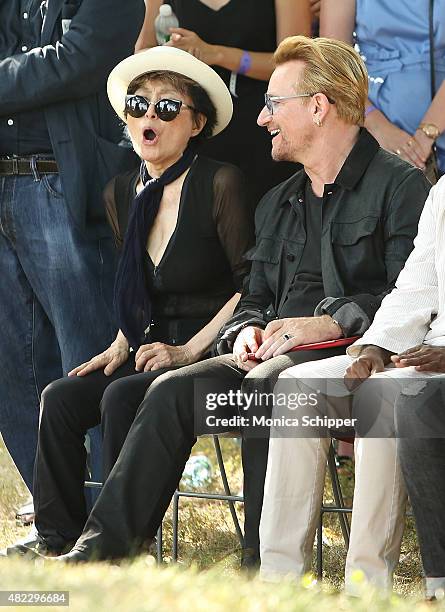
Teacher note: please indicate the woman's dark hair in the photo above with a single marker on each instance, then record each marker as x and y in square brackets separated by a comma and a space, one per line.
[197, 94]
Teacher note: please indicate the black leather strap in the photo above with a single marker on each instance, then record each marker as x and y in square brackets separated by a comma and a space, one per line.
[22, 166]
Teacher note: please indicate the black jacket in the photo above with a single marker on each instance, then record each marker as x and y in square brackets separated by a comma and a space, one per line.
[370, 216]
[66, 77]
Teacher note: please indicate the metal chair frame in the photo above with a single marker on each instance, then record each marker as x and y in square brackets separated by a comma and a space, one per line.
[226, 496]
[338, 508]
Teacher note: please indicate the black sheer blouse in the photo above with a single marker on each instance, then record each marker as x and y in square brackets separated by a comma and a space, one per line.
[203, 264]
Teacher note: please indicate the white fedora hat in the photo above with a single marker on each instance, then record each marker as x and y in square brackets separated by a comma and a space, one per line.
[174, 60]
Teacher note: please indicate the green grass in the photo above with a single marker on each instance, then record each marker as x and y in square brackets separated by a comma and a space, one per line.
[207, 576]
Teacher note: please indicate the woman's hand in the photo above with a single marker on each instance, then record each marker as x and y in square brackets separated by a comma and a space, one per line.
[413, 149]
[248, 340]
[158, 355]
[191, 42]
[111, 359]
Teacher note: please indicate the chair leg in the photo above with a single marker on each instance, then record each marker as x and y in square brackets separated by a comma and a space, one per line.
[227, 491]
[175, 525]
[159, 545]
[338, 496]
[320, 548]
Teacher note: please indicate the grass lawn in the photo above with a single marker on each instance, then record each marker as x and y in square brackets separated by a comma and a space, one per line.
[206, 577]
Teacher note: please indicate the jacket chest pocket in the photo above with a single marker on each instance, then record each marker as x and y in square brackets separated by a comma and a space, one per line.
[357, 246]
[265, 257]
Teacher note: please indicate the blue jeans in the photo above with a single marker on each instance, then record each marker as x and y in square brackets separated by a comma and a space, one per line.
[55, 305]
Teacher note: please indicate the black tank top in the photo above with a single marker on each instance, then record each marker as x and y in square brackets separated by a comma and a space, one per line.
[248, 25]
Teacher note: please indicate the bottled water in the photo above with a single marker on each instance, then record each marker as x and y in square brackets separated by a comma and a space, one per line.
[165, 20]
[197, 471]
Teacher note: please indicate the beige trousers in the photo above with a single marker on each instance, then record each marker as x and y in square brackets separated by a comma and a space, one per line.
[295, 482]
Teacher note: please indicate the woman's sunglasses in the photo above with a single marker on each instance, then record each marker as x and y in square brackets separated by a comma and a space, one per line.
[166, 109]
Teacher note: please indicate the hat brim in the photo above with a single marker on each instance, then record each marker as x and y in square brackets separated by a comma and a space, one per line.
[174, 60]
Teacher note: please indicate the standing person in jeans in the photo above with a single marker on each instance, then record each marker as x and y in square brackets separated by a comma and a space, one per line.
[330, 242]
[58, 148]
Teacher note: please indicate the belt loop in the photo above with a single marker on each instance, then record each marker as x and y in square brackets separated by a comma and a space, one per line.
[34, 170]
[15, 165]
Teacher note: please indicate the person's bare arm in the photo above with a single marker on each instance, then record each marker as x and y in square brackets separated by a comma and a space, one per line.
[159, 355]
[337, 19]
[147, 36]
[292, 17]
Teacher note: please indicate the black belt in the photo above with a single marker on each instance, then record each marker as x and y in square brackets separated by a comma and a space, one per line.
[24, 165]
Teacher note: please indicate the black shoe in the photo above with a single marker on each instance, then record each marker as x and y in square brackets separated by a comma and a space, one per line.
[25, 514]
[71, 558]
[250, 560]
[33, 546]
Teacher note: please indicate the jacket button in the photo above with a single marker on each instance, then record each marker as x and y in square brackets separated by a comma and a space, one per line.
[290, 257]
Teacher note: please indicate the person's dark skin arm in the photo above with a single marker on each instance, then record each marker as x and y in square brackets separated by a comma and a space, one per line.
[424, 358]
[372, 359]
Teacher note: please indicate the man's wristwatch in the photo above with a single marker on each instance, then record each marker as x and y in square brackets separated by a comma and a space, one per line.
[430, 130]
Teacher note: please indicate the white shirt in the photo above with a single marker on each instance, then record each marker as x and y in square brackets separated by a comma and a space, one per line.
[414, 312]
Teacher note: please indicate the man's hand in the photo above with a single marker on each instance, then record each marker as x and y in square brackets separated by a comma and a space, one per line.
[372, 359]
[281, 335]
[159, 355]
[111, 359]
[424, 358]
[248, 341]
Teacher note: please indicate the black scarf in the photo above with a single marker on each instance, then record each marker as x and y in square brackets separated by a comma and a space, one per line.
[132, 300]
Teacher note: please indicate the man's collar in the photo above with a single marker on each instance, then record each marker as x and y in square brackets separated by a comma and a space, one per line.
[358, 160]
[355, 166]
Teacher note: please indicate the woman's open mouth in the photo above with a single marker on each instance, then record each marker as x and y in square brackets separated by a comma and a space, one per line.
[150, 136]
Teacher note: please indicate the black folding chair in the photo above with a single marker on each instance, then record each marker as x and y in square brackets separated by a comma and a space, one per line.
[339, 508]
[226, 496]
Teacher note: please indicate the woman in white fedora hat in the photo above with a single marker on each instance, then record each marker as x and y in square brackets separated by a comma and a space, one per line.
[179, 277]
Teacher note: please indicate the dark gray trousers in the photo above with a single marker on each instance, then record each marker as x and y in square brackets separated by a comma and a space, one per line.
[138, 491]
[420, 427]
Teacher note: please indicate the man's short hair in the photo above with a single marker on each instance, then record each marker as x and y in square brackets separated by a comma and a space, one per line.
[332, 68]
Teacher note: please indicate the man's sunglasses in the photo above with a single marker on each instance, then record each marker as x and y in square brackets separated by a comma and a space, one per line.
[166, 108]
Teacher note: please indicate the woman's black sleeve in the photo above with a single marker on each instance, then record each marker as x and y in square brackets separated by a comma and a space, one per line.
[234, 217]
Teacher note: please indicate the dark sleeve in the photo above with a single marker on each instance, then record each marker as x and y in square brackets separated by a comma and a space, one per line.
[355, 313]
[233, 215]
[118, 197]
[102, 33]
[256, 304]
[111, 211]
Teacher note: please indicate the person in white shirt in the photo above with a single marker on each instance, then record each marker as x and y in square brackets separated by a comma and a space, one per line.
[403, 356]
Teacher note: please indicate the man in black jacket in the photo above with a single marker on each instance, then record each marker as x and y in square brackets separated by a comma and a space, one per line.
[59, 145]
[330, 242]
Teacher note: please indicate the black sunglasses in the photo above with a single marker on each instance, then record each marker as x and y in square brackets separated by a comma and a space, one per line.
[166, 108]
